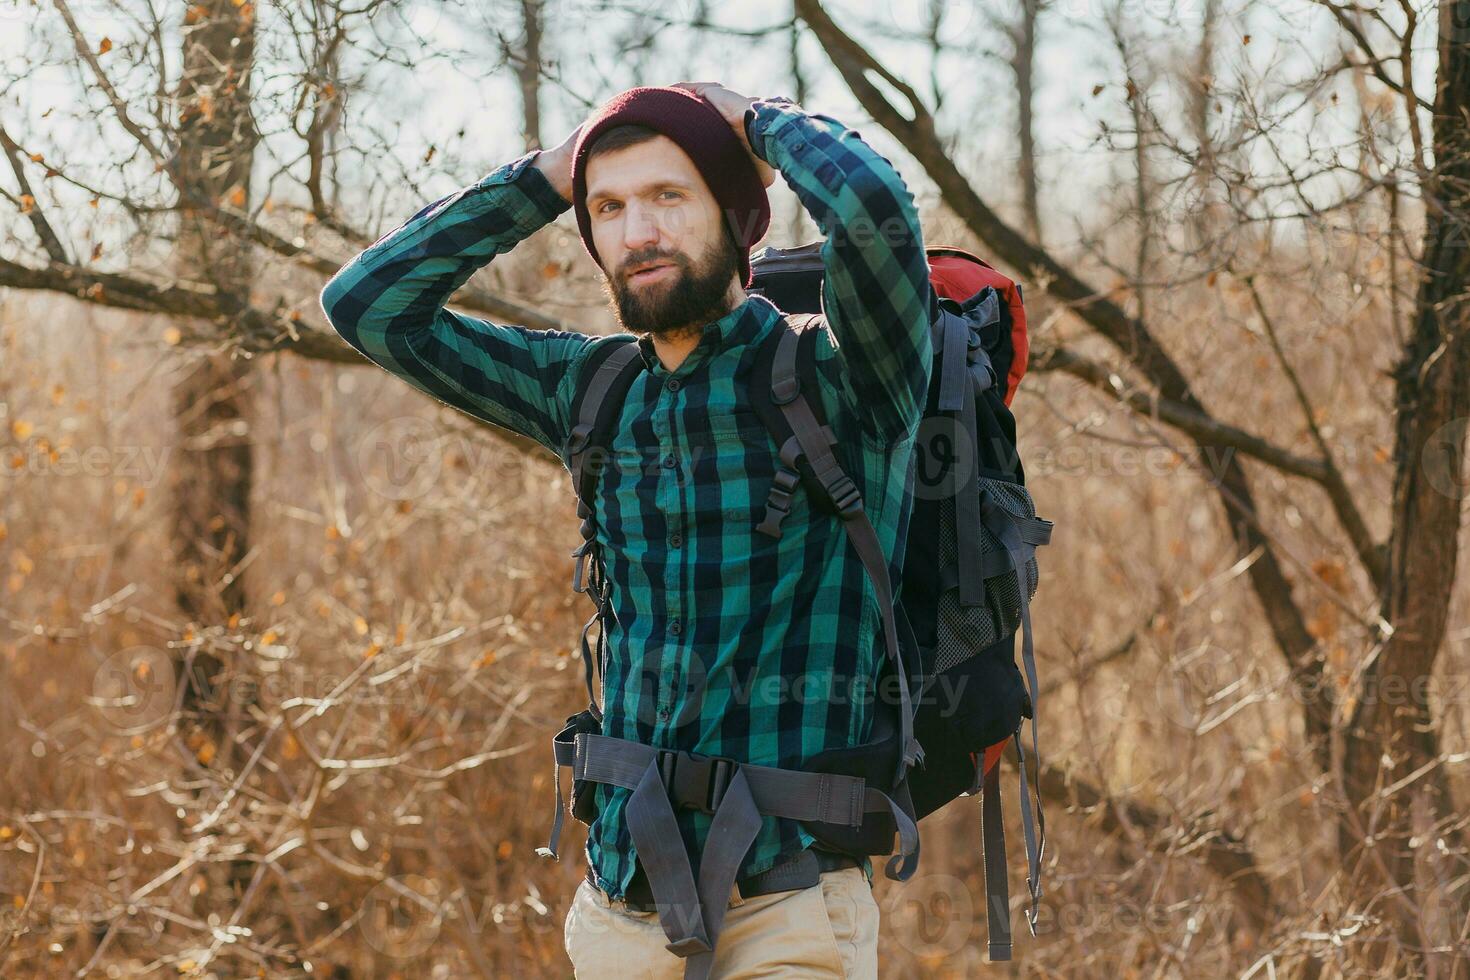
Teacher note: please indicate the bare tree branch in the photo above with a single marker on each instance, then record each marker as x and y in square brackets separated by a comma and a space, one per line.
[49, 240]
[916, 129]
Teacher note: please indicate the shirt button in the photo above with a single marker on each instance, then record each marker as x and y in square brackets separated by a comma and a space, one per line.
[676, 627]
[672, 384]
[676, 539]
[669, 461]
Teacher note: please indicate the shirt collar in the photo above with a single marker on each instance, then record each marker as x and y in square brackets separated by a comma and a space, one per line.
[742, 325]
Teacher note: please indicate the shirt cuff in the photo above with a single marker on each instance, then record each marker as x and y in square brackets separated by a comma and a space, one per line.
[766, 117]
[530, 181]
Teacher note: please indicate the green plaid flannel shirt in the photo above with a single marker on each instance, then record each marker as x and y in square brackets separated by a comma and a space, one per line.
[723, 641]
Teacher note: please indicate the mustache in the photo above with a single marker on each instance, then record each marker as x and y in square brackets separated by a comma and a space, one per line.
[676, 258]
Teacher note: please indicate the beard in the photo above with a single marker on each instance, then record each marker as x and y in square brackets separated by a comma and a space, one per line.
[680, 303]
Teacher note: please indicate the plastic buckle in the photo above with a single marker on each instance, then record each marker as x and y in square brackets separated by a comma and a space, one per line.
[696, 782]
[846, 497]
[778, 505]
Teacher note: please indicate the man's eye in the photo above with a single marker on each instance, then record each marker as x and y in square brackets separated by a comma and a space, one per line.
[602, 208]
[671, 194]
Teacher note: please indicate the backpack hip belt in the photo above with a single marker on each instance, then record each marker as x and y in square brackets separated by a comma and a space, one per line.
[801, 871]
[738, 795]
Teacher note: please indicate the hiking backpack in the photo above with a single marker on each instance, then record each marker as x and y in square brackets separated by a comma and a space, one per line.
[968, 572]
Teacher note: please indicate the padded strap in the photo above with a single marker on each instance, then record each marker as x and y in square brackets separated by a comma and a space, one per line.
[596, 406]
[602, 383]
[589, 662]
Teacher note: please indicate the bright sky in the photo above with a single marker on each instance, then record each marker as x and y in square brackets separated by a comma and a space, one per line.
[439, 97]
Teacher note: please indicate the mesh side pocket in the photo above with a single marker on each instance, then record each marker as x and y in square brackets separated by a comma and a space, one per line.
[1003, 592]
[962, 631]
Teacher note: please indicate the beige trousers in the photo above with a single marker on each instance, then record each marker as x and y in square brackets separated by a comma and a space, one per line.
[827, 930]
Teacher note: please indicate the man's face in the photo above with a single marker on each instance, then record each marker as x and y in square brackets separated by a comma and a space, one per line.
[661, 236]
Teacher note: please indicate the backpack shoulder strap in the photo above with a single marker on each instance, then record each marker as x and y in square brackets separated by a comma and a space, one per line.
[809, 451]
[603, 386]
[794, 341]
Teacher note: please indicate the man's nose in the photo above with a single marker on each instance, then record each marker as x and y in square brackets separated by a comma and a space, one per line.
[640, 229]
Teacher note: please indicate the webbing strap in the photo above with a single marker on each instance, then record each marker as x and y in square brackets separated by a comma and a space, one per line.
[905, 861]
[954, 342]
[817, 445]
[1034, 533]
[563, 753]
[1000, 523]
[731, 834]
[967, 506]
[554, 841]
[997, 888]
[992, 564]
[651, 824]
[588, 660]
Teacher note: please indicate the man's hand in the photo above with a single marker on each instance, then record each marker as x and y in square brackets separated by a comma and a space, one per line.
[732, 106]
[556, 163]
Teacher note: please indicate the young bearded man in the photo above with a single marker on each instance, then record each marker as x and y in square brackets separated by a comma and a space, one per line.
[668, 185]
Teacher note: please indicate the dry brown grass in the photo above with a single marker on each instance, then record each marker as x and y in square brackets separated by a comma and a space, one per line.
[374, 805]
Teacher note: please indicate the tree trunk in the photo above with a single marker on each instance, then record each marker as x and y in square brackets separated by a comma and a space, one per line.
[1392, 767]
[528, 72]
[1023, 65]
[212, 479]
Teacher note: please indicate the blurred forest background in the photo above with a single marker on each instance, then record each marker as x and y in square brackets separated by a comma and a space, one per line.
[282, 642]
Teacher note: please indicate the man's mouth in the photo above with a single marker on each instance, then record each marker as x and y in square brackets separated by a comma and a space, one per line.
[650, 273]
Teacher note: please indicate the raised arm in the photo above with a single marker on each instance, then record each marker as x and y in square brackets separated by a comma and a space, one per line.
[388, 303]
[875, 289]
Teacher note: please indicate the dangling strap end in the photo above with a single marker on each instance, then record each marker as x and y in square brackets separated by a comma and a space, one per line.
[551, 845]
[913, 753]
[901, 867]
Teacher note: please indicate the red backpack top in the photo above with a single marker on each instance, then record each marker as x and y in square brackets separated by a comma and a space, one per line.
[958, 275]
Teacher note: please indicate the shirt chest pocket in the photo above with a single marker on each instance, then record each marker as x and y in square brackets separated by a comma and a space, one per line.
[732, 463]
[735, 437]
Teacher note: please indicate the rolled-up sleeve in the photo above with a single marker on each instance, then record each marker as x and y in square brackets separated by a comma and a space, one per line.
[389, 303]
[875, 291]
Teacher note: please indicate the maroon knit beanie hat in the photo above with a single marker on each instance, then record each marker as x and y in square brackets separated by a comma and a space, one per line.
[718, 153]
